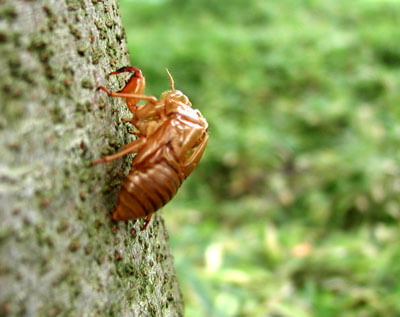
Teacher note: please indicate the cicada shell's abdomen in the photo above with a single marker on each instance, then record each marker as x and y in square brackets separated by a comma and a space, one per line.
[144, 191]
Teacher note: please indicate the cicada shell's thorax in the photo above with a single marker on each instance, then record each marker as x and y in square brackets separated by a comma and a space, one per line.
[146, 190]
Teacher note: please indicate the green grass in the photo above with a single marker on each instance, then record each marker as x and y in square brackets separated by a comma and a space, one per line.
[294, 209]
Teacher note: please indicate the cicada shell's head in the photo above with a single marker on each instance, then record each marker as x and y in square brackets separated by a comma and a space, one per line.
[174, 99]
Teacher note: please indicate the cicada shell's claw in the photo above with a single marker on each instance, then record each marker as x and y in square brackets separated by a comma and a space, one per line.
[126, 69]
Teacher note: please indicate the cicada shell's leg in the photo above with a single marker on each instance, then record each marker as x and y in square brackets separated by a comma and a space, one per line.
[133, 121]
[190, 140]
[140, 114]
[148, 218]
[126, 119]
[162, 136]
[151, 99]
[195, 157]
[135, 85]
[130, 148]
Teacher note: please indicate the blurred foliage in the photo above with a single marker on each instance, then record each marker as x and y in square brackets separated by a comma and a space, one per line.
[294, 209]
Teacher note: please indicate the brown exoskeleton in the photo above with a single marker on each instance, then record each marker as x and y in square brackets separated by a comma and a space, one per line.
[172, 137]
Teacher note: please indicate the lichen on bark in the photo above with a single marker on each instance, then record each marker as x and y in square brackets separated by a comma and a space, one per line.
[59, 251]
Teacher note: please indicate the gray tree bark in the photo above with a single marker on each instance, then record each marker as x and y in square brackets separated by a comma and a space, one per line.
[60, 253]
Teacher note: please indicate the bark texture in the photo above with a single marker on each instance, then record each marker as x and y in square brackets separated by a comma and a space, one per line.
[60, 254]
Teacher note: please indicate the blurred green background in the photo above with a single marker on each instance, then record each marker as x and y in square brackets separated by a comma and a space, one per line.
[294, 209]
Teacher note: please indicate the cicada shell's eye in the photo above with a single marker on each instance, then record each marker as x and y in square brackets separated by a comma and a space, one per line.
[179, 98]
[185, 100]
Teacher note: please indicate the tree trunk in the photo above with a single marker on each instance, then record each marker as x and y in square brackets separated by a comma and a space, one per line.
[60, 253]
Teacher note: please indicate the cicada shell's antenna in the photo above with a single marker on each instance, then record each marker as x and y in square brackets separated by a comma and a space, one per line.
[171, 80]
